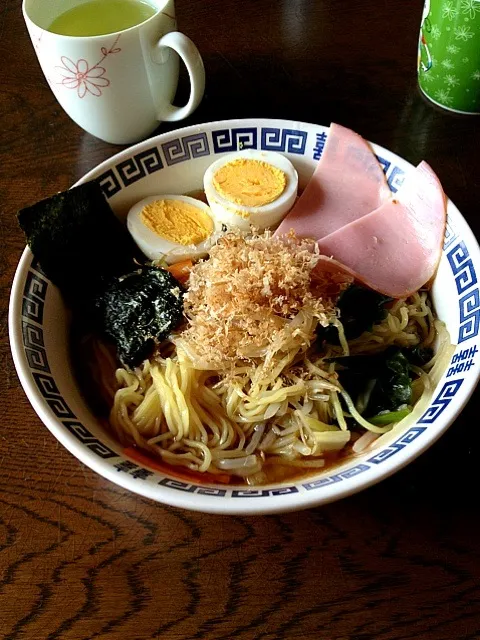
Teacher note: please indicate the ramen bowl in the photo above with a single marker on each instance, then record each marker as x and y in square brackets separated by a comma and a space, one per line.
[175, 162]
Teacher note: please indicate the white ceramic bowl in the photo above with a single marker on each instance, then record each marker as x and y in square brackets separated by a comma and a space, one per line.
[175, 162]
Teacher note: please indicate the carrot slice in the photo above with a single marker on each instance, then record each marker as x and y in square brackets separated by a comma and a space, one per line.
[177, 472]
[181, 270]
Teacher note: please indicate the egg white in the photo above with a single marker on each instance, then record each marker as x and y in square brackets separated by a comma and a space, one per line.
[154, 246]
[240, 216]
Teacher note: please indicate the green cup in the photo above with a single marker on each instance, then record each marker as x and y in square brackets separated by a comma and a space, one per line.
[449, 54]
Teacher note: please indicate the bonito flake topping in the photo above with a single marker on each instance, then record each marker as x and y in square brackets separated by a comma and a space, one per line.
[243, 297]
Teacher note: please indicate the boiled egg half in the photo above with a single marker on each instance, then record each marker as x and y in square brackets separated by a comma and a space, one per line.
[172, 227]
[251, 188]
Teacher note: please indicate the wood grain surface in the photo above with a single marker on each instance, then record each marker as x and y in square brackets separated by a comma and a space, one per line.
[81, 558]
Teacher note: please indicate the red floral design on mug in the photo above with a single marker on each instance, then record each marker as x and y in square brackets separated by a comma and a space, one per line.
[78, 75]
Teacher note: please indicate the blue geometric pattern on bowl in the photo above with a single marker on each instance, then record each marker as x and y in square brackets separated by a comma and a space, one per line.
[336, 477]
[34, 344]
[234, 139]
[139, 165]
[197, 145]
[465, 281]
[283, 140]
[398, 445]
[462, 267]
[441, 401]
[469, 315]
[180, 150]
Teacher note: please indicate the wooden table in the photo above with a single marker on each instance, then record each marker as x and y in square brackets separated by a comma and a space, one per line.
[81, 558]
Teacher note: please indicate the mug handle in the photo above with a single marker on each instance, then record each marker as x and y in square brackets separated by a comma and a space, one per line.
[190, 55]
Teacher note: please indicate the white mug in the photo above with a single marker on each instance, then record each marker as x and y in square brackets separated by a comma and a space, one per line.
[117, 86]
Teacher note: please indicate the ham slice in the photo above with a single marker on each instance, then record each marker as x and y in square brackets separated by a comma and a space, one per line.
[396, 248]
[348, 183]
[329, 278]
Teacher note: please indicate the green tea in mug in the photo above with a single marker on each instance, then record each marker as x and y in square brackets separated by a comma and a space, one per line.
[99, 17]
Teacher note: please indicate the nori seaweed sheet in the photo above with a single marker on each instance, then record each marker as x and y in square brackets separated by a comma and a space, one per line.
[138, 311]
[78, 240]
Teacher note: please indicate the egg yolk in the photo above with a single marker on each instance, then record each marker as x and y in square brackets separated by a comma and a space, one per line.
[177, 221]
[251, 183]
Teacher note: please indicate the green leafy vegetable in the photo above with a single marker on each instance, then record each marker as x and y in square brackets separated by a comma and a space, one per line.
[419, 355]
[386, 376]
[389, 416]
[138, 311]
[394, 387]
[360, 309]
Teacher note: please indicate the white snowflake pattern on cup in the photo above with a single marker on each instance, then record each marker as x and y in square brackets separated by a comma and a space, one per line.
[444, 97]
[463, 33]
[470, 7]
[447, 64]
[451, 80]
[435, 32]
[449, 11]
[453, 49]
